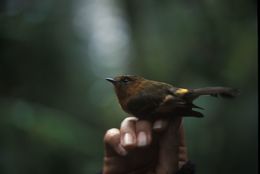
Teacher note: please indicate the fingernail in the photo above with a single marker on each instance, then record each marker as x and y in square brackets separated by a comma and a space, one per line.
[142, 139]
[158, 125]
[128, 139]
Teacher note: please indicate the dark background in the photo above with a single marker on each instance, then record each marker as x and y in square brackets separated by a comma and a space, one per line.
[55, 105]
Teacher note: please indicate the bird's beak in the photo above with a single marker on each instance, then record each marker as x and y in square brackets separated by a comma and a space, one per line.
[111, 80]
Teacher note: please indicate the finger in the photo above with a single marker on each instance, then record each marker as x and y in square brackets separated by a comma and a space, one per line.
[160, 125]
[183, 157]
[181, 135]
[127, 132]
[112, 143]
[144, 133]
[169, 148]
[183, 153]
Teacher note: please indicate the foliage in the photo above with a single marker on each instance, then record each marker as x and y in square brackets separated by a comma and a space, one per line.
[55, 105]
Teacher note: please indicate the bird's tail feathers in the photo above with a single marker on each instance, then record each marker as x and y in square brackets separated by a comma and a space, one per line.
[216, 91]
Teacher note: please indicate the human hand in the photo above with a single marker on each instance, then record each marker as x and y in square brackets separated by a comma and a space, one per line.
[140, 147]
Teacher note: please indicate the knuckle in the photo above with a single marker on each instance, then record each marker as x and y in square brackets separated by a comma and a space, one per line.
[183, 149]
[143, 125]
[160, 125]
[128, 122]
[183, 153]
[131, 118]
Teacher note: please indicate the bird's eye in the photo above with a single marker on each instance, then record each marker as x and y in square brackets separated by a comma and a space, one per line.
[125, 80]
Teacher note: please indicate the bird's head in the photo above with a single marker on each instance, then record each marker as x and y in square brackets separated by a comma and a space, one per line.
[125, 84]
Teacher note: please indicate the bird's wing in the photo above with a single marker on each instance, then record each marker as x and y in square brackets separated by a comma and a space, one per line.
[156, 98]
[174, 105]
[143, 104]
[171, 102]
[180, 92]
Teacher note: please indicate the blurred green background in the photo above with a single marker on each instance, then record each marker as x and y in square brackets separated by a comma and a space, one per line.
[55, 105]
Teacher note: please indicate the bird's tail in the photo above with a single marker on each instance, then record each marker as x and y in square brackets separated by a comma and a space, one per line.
[212, 91]
[216, 91]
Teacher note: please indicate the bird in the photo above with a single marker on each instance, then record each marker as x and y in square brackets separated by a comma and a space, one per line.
[149, 99]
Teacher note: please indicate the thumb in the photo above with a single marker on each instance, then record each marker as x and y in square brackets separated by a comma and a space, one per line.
[169, 148]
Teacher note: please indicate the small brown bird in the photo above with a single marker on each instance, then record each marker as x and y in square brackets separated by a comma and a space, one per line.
[147, 99]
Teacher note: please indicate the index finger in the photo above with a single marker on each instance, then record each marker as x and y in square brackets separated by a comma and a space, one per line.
[128, 134]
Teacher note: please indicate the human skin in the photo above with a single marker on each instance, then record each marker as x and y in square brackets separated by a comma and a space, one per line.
[142, 147]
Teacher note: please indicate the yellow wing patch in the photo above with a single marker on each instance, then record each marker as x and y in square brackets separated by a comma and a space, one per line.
[181, 91]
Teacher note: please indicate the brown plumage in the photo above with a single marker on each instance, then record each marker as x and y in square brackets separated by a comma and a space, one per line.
[147, 99]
